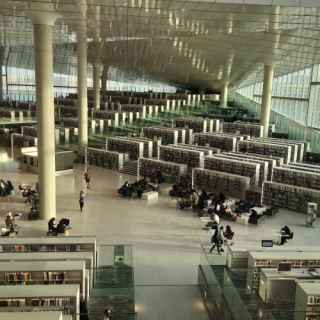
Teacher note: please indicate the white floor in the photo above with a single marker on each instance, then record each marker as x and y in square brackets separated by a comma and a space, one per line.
[166, 242]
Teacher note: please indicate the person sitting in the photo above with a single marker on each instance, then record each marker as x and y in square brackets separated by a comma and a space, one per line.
[52, 228]
[63, 225]
[202, 200]
[160, 179]
[10, 187]
[222, 198]
[253, 218]
[9, 222]
[285, 234]
[125, 190]
[228, 234]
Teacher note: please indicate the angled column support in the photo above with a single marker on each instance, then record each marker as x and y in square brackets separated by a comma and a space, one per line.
[266, 98]
[269, 71]
[43, 31]
[104, 79]
[224, 94]
[82, 90]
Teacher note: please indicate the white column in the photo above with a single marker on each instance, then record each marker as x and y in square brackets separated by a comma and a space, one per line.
[42, 32]
[96, 84]
[274, 21]
[266, 98]
[104, 79]
[82, 90]
[224, 95]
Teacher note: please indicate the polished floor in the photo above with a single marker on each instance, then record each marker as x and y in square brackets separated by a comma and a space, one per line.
[166, 242]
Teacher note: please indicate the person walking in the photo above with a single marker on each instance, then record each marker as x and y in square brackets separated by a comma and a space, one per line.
[87, 179]
[217, 239]
[81, 200]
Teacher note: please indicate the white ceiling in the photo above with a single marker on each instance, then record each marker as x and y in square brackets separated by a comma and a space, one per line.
[198, 43]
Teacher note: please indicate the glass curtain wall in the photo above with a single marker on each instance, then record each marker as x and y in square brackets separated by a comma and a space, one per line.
[295, 103]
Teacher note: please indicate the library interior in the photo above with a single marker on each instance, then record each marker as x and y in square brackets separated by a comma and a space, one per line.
[159, 159]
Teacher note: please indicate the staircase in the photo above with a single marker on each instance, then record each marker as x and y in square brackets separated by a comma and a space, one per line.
[130, 168]
[113, 289]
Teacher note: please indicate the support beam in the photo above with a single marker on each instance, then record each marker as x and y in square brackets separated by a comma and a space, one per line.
[82, 89]
[43, 32]
[96, 84]
[104, 79]
[266, 98]
[2, 52]
[224, 94]
[269, 71]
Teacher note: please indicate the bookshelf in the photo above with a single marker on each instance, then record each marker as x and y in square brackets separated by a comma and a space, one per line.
[171, 171]
[288, 196]
[296, 152]
[279, 287]
[234, 166]
[147, 145]
[305, 179]
[167, 135]
[250, 129]
[303, 146]
[50, 244]
[44, 272]
[124, 145]
[226, 143]
[264, 165]
[196, 124]
[107, 159]
[272, 161]
[108, 115]
[192, 158]
[64, 298]
[87, 257]
[208, 151]
[305, 166]
[141, 109]
[220, 182]
[43, 315]
[265, 148]
[307, 300]
[272, 259]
